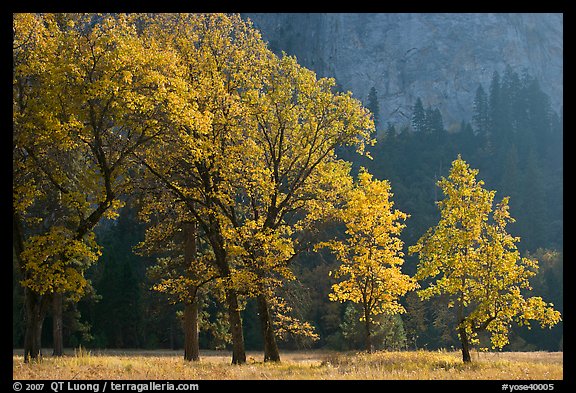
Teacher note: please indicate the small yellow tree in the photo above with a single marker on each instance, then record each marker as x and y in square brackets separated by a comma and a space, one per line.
[371, 254]
[476, 263]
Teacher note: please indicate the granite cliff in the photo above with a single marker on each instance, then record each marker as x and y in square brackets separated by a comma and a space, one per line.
[440, 58]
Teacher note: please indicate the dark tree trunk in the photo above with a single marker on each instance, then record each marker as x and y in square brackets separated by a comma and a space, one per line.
[462, 330]
[465, 345]
[238, 352]
[57, 306]
[35, 313]
[191, 345]
[271, 353]
[33, 302]
[234, 317]
[368, 332]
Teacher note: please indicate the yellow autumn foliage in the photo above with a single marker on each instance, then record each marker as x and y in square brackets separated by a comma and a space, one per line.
[371, 254]
[470, 257]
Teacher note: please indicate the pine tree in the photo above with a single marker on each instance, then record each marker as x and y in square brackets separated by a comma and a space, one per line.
[495, 108]
[434, 123]
[481, 118]
[418, 117]
[374, 106]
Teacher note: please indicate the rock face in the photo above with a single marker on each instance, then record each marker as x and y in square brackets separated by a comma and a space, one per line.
[440, 58]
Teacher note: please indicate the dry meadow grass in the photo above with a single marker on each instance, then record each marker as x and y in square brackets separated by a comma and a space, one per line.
[310, 365]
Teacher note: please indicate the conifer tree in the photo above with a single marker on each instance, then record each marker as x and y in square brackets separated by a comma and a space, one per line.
[374, 106]
[480, 118]
[418, 116]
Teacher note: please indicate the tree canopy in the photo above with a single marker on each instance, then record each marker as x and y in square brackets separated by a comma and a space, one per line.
[472, 259]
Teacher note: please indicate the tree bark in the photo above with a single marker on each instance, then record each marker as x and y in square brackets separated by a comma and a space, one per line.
[368, 332]
[33, 302]
[234, 317]
[461, 329]
[271, 353]
[465, 345]
[191, 344]
[35, 313]
[57, 309]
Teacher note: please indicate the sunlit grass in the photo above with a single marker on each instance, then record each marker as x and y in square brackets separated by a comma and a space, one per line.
[155, 365]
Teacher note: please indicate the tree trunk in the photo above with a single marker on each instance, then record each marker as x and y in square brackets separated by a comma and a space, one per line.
[33, 302]
[35, 313]
[238, 352]
[271, 353]
[234, 317]
[368, 332]
[465, 345]
[58, 341]
[191, 344]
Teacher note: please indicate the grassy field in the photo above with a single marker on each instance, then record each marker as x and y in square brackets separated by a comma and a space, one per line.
[312, 365]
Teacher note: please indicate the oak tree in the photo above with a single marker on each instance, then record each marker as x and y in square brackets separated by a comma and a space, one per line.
[193, 161]
[470, 257]
[371, 253]
[88, 92]
[295, 123]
